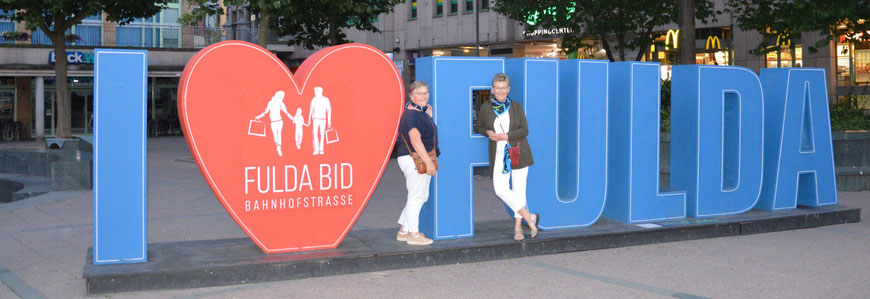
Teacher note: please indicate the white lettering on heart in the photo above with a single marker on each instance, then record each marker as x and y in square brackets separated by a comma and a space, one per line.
[270, 180]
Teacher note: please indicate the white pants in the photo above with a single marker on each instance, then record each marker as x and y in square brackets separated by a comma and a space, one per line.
[299, 135]
[515, 198]
[418, 193]
[318, 127]
[277, 126]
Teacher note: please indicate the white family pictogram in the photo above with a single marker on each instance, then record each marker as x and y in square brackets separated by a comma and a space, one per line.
[321, 113]
[319, 117]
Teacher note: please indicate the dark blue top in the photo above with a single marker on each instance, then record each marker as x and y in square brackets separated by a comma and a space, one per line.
[420, 120]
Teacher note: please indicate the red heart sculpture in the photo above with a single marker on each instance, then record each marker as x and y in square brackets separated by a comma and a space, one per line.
[243, 114]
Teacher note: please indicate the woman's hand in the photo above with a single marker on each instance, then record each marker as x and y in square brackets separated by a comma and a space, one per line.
[430, 167]
[417, 144]
[495, 136]
[491, 135]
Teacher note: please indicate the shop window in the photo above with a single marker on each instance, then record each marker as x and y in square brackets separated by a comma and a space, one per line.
[413, 9]
[712, 58]
[469, 5]
[162, 106]
[844, 65]
[439, 8]
[862, 65]
[785, 56]
[7, 98]
[454, 7]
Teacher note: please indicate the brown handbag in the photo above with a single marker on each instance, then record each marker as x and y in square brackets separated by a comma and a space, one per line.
[514, 152]
[419, 164]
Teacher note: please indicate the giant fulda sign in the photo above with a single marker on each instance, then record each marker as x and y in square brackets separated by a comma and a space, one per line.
[294, 157]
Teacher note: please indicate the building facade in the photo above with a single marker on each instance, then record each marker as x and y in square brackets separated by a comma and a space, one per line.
[416, 28]
[420, 28]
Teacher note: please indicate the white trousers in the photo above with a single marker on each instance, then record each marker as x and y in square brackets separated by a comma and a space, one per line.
[299, 134]
[318, 127]
[418, 193]
[277, 126]
[514, 197]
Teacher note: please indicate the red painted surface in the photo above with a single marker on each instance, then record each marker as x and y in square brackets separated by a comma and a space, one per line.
[310, 201]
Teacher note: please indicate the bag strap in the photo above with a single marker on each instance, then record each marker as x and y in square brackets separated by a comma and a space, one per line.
[504, 132]
[410, 149]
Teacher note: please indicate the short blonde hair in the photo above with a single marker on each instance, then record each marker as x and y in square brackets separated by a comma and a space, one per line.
[415, 85]
[501, 77]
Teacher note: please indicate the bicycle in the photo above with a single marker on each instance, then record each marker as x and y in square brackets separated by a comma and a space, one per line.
[9, 131]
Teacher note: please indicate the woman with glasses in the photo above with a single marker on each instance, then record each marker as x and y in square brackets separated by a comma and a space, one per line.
[418, 134]
[504, 123]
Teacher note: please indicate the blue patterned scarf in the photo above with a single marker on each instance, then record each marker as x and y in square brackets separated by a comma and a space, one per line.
[500, 107]
[507, 159]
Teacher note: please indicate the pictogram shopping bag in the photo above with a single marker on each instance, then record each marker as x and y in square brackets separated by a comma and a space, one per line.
[331, 136]
[257, 128]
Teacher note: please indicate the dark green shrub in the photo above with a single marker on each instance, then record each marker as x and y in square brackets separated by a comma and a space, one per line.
[848, 116]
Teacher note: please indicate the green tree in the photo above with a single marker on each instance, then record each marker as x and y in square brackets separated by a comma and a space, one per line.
[321, 23]
[307, 23]
[263, 8]
[792, 18]
[628, 23]
[54, 17]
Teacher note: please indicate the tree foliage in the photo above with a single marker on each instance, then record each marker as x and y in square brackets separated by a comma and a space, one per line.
[320, 23]
[55, 17]
[628, 24]
[310, 24]
[792, 18]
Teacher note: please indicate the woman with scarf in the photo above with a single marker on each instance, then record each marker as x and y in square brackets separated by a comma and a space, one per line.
[504, 123]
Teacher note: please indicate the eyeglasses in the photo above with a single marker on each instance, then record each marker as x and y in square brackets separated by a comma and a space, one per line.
[421, 93]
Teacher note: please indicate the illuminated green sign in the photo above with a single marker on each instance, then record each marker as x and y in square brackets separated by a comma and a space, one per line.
[535, 17]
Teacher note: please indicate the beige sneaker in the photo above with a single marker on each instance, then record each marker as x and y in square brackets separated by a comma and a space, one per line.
[418, 239]
[402, 237]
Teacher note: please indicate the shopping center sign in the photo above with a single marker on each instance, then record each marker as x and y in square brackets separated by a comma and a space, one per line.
[294, 158]
[738, 141]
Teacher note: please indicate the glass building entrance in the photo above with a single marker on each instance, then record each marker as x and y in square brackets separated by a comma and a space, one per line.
[81, 94]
